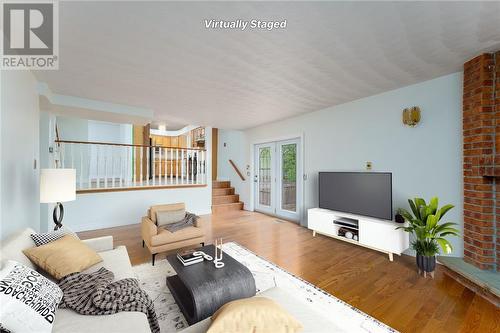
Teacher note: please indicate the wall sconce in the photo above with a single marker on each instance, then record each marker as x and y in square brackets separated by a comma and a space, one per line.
[411, 116]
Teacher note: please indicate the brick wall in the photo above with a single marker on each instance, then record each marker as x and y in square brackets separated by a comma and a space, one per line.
[496, 167]
[481, 143]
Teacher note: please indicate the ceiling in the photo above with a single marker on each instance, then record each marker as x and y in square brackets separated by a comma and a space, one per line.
[160, 56]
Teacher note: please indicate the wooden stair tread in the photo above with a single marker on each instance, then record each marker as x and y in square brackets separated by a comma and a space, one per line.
[221, 199]
[224, 197]
[221, 184]
[230, 203]
[222, 191]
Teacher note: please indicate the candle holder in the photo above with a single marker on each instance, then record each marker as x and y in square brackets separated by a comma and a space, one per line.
[218, 254]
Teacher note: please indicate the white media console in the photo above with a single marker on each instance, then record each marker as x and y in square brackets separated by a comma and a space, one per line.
[373, 233]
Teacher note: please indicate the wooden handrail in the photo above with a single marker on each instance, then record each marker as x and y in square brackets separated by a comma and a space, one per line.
[123, 144]
[236, 169]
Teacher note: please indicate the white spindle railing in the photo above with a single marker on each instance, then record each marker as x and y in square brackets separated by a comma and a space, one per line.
[106, 165]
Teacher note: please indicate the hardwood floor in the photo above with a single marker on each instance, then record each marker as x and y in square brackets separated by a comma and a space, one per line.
[391, 292]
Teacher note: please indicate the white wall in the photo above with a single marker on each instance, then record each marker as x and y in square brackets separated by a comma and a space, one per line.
[73, 129]
[77, 129]
[19, 185]
[230, 145]
[100, 131]
[46, 138]
[425, 161]
[110, 209]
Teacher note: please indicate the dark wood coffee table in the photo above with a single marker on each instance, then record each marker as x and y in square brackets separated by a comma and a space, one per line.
[201, 289]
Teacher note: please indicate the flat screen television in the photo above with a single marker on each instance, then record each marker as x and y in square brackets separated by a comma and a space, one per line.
[361, 193]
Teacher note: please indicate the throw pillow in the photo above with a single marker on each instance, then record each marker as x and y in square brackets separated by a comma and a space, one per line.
[164, 217]
[45, 238]
[256, 315]
[29, 300]
[64, 256]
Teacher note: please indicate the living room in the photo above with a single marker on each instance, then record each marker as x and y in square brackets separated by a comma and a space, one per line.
[177, 167]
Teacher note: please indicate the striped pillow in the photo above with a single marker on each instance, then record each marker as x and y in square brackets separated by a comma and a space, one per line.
[45, 238]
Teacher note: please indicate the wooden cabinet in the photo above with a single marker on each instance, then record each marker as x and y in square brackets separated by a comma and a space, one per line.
[169, 141]
[182, 141]
[174, 141]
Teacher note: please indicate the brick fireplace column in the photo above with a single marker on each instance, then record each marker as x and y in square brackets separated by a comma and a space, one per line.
[481, 147]
[496, 162]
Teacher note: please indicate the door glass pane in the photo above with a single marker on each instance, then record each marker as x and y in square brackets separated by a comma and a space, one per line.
[265, 176]
[289, 177]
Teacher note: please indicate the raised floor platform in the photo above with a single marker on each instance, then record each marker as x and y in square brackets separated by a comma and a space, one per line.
[486, 283]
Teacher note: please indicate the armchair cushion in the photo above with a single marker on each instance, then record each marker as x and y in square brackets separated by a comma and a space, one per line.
[164, 217]
[166, 237]
[168, 207]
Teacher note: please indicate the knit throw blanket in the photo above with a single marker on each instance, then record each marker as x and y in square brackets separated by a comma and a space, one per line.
[95, 294]
[187, 221]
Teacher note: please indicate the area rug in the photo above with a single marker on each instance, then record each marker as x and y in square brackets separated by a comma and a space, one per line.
[267, 275]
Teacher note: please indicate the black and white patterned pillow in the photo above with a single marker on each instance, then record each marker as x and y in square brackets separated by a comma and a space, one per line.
[29, 300]
[45, 238]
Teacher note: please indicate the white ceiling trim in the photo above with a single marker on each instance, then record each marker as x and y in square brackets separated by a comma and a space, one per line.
[183, 130]
[91, 109]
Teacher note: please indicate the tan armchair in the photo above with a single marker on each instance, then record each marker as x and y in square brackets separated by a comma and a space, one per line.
[158, 239]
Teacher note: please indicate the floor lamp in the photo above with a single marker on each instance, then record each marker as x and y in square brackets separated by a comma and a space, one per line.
[57, 186]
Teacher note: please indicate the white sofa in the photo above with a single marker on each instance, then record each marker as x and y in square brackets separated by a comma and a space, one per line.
[116, 260]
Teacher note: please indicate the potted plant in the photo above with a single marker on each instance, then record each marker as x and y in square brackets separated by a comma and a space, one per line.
[424, 224]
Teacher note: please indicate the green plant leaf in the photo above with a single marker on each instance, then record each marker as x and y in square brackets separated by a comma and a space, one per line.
[443, 226]
[444, 210]
[414, 209]
[424, 212]
[446, 233]
[417, 222]
[420, 232]
[445, 245]
[420, 202]
[431, 222]
[433, 205]
[449, 231]
[406, 215]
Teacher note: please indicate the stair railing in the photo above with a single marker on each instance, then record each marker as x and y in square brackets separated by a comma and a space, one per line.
[237, 170]
[104, 165]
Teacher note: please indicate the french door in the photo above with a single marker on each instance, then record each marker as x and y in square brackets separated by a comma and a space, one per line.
[278, 178]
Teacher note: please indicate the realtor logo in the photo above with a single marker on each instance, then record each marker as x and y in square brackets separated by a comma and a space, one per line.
[30, 35]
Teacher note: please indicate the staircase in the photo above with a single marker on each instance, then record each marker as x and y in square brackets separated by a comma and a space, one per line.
[223, 197]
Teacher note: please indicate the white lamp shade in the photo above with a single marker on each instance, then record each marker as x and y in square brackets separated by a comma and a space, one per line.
[57, 185]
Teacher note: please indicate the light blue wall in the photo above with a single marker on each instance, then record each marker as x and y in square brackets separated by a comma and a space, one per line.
[73, 129]
[230, 145]
[425, 161]
[19, 190]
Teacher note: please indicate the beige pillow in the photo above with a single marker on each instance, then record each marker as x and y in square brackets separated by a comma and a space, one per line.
[164, 217]
[64, 256]
[253, 315]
